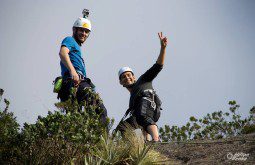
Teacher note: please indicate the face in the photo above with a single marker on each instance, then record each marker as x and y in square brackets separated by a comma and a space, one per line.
[127, 79]
[81, 34]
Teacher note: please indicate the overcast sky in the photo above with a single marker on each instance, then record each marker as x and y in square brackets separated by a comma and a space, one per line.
[209, 61]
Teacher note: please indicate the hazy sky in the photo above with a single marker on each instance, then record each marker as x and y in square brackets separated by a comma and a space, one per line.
[210, 56]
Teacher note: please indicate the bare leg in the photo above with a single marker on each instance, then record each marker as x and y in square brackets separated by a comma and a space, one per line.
[146, 136]
[153, 131]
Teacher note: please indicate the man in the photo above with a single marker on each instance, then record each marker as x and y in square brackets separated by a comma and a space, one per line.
[144, 104]
[72, 63]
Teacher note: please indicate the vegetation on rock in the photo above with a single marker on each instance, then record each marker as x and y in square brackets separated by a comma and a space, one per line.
[216, 125]
[73, 134]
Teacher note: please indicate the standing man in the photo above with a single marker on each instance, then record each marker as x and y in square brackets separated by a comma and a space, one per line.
[144, 104]
[72, 63]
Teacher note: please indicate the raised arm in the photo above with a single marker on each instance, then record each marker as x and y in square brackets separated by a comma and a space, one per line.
[163, 43]
[150, 74]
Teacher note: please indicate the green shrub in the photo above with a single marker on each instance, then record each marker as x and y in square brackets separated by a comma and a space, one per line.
[72, 135]
[64, 135]
[212, 126]
[9, 132]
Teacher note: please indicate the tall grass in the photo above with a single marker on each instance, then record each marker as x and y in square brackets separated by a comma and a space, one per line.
[129, 149]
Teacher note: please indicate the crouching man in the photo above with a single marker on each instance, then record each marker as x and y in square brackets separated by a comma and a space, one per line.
[144, 103]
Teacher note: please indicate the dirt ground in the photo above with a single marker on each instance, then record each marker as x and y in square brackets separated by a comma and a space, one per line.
[235, 150]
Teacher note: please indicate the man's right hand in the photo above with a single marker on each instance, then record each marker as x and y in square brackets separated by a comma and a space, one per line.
[76, 78]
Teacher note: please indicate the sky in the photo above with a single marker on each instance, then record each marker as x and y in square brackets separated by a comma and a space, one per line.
[209, 61]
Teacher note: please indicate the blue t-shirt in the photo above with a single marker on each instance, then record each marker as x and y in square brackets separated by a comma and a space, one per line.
[75, 56]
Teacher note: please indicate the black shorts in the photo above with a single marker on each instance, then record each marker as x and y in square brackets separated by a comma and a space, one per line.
[146, 114]
[136, 122]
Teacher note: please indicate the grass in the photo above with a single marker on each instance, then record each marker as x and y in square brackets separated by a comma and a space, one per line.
[128, 150]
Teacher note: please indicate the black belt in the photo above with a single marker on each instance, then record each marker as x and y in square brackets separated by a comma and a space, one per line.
[68, 76]
[81, 77]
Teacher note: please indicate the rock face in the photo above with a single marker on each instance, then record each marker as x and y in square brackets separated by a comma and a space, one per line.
[235, 150]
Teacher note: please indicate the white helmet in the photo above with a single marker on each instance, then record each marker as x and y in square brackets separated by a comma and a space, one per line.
[123, 70]
[83, 23]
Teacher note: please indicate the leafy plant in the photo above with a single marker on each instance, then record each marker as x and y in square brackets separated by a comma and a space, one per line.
[72, 135]
[9, 132]
[212, 126]
[68, 134]
[129, 149]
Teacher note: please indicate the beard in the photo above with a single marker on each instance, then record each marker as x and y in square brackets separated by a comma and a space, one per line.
[77, 38]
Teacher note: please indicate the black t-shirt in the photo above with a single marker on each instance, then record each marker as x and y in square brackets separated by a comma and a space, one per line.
[144, 82]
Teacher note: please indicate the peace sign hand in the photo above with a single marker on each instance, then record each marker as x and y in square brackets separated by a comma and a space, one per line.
[163, 40]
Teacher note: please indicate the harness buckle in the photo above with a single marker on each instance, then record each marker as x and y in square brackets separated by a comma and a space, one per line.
[153, 104]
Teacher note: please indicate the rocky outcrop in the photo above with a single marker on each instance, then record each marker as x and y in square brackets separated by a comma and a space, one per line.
[235, 150]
